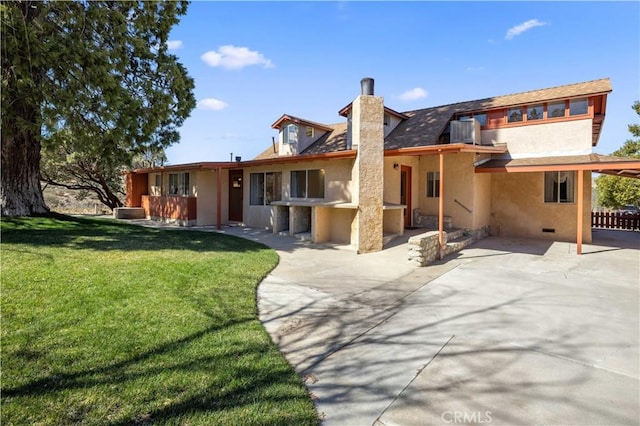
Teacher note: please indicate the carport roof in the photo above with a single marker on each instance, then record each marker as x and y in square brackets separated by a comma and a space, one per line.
[606, 164]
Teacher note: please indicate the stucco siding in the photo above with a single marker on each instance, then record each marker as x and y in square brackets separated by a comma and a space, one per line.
[258, 217]
[481, 200]
[548, 139]
[337, 187]
[518, 209]
[303, 142]
[393, 123]
[392, 178]
[206, 192]
[459, 178]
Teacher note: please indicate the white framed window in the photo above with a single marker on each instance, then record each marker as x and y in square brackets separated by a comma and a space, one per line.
[309, 132]
[156, 186]
[433, 184]
[290, 134]
[307, 183]
[559, 187]
[265, 188]
[179, 184]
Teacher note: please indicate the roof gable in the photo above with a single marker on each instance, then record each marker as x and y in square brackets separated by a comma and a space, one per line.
[286, 117]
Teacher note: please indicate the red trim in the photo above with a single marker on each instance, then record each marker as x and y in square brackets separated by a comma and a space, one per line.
[594, 167]
[298, 158]
[445, 148]
[219, 197]
[408, 191]
[296, 120]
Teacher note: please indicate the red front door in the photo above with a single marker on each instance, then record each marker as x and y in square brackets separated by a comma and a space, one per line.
[405, 193]
[235, 195]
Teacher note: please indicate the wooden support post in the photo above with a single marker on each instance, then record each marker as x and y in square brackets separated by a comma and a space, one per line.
[580, 211]
[219, 197]
[441, 209]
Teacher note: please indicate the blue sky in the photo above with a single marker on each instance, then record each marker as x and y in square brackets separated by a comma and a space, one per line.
[253, 62]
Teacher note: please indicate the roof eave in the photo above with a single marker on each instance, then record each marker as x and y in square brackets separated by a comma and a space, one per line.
[445, 148]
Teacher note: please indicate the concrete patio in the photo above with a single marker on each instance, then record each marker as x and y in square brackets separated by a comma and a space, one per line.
[508, 332]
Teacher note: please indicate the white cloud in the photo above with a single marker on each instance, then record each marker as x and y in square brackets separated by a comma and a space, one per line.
[212, 104]
[234, 58]
[525, 26]
[174, 44]
[413, 94]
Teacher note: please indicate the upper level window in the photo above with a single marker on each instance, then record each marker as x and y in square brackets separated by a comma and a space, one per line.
[534, 112]
[179, 183]
[309, 132]
[290, 134]
[555, 109]
[307, 183]
[559, 187]
[265, 188]
[514, 115]
[482, 118]
[386, 119]
[578, 106]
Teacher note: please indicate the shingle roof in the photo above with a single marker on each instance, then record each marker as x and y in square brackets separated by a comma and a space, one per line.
[425, 126]
[271, 152]
[335, 140]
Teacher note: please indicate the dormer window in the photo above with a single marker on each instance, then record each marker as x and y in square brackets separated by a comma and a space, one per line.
[309, 132]
[290, 134]
[386, 119]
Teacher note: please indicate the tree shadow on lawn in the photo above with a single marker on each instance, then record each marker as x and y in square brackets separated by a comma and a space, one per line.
[57, 230]
[249, 383]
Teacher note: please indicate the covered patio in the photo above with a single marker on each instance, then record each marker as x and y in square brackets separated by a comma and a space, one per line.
[617, 166]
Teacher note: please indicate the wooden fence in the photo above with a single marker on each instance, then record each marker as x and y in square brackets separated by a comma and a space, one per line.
[612, 220]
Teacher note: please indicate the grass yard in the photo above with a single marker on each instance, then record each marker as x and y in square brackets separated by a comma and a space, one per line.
[112, 324]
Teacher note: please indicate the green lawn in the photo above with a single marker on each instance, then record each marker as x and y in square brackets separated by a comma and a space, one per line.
[108, 323]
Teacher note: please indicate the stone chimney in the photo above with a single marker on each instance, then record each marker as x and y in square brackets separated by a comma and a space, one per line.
[367, 132]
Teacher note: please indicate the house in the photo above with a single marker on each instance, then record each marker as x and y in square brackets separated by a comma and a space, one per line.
[516, 165]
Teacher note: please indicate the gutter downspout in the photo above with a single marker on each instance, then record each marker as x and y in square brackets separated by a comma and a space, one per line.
[219, 197]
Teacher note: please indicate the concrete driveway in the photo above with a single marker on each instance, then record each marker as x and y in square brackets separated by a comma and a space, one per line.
[508, 332]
